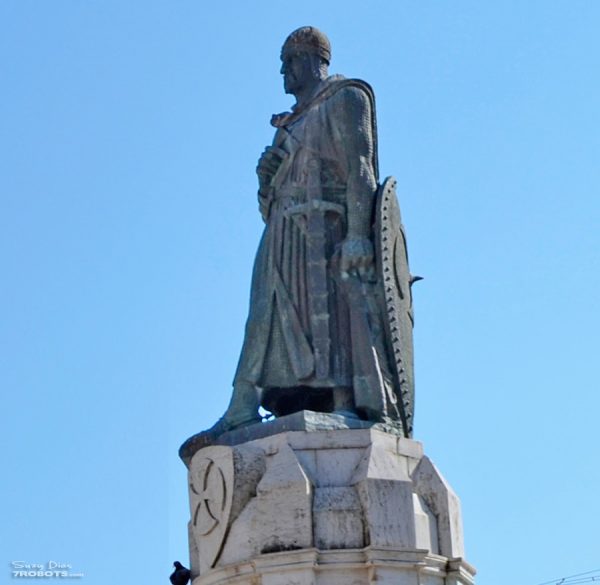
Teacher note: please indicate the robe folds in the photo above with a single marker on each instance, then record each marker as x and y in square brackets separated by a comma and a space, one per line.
[278, 354]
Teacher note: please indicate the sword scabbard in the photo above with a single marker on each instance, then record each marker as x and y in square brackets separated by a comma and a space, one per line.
[317, 270]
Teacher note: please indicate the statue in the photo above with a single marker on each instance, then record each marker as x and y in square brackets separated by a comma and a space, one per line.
[330, 321]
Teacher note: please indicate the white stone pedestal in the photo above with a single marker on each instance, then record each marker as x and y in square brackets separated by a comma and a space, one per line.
[338, 507]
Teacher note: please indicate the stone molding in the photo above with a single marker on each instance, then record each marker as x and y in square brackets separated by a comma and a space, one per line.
[358, 566]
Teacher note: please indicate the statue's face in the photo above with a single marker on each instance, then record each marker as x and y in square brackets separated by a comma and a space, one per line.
[297, 73]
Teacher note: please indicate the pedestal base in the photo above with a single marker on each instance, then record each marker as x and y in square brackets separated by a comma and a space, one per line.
[337, 507]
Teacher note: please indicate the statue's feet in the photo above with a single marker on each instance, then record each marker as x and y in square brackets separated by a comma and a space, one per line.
[227, 423]
[209, 436]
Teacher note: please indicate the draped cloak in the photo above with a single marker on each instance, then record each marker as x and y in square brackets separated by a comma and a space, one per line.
[277, 355]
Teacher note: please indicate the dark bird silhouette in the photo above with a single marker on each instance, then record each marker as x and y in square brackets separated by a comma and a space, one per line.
[180, 575]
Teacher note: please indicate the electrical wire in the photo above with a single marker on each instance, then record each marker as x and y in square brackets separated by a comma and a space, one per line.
[586, 577]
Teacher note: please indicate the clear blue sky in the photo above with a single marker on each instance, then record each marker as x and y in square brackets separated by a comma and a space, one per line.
[129, 134]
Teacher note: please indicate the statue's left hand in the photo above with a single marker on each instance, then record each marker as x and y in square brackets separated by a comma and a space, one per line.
[357, 257]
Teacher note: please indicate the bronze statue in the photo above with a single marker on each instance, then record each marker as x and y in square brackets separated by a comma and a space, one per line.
[330, 322]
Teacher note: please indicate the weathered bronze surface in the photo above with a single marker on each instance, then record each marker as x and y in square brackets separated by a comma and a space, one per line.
[330, 322]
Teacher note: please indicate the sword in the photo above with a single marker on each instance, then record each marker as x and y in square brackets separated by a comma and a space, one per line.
[313, 212]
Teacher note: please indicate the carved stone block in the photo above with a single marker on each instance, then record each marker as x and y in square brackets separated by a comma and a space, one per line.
[322, 508]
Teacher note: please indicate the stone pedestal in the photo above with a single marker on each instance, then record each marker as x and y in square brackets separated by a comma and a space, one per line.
[322, 507]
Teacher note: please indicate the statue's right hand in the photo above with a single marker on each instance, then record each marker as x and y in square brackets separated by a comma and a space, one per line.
[268, 164]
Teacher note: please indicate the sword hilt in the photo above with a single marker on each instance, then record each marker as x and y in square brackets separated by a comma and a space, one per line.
[319, 205]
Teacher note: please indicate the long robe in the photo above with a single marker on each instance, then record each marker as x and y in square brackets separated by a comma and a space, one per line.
[278, 354]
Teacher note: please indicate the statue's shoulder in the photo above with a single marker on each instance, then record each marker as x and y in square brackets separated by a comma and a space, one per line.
[353, 90]
[334, 93]
[351, 101]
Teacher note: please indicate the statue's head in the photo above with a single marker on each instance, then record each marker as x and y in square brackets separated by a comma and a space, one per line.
[305, 56]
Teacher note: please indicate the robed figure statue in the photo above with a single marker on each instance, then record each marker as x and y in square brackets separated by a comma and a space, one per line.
[330, 322]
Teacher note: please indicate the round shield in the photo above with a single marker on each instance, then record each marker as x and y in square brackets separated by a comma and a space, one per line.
[395, 280]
